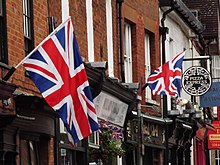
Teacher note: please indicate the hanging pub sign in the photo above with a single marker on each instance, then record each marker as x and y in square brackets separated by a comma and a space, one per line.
[110, 108]
[196, 81]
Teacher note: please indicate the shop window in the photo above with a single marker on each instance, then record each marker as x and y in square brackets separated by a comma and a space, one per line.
[28, 153]
[66, 156]
[28, 26]
[217, 157]
[147, 63]
[127, 53]
[72, 155]
[93, 145]
[94, 140]
[3, 33]
[216, 67]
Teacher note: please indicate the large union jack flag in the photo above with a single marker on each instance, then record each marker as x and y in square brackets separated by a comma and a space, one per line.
[166, 79]
[57, 70]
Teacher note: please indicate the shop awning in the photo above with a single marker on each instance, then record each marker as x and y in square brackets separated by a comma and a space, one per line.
[6, 89]
[99, 82]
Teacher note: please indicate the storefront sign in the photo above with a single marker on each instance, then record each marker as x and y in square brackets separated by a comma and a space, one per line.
[151, 129]
[152, 134]
[212, 97]
[196, 81]
[110, 108]
[214, 137]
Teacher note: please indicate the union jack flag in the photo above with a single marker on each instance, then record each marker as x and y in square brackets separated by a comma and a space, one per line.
[56, 68]
[166, 79]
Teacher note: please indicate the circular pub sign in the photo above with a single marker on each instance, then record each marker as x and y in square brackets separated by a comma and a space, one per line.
[196, 81]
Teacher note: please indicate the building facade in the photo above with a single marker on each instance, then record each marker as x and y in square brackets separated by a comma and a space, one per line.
[126, 36]
[28, 123]
[99, 33]
[120, 42]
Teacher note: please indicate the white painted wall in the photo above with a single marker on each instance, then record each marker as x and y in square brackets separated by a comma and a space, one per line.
[177, 40]
[109, 38]
[65, 10]
[89, 23]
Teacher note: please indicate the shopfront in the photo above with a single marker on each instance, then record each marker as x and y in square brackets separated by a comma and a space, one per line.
[152, 139]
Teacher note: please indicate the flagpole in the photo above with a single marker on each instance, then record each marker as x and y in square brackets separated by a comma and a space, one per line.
[13, 69]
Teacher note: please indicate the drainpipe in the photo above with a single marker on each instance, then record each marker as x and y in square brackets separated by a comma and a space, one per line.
[163, 32]
[121, 41]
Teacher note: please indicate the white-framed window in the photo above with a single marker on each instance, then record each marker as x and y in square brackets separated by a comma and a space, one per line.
[127, 53]
[90, 35]
[109, 38]
[147, 63]
[94, 140]
[216, 67]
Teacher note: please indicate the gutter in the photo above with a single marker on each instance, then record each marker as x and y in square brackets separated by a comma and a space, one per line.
[184, 13]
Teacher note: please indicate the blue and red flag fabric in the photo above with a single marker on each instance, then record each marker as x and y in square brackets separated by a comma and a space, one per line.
[117, 132]
[56, 68]
[166, 80]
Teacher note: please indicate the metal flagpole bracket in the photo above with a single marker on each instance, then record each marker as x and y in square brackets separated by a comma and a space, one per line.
[8, 75]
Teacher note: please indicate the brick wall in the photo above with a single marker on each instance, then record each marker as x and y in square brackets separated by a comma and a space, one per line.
[144, 18]
[208, 15]
[16, 53]
[16, 38]
[51, 152]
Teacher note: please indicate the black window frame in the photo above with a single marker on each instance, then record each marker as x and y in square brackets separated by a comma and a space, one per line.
[3, 33]
[28, 26]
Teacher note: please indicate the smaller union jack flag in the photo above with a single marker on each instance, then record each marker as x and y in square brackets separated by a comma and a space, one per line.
[166, 79]
[57, 70]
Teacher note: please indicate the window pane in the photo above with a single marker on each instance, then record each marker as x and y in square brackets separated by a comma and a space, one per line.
[92, 138]
[127, 53]
[147, 63]
[28, 28]
[1, 38]
[216, 67]
[1, 13]
[28, 25]
[66, 156]
[3, 33]
[24, 153]
[33, 153]
[25, 26]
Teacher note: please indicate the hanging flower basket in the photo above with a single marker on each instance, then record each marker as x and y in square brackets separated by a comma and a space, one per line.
[109, 147]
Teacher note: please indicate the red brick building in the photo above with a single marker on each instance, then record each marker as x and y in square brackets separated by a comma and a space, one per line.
[27, 132]
[126, 34]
